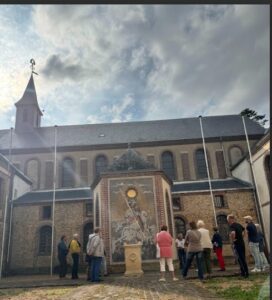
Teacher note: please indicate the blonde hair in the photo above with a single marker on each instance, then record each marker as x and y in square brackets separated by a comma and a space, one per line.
[200, 224]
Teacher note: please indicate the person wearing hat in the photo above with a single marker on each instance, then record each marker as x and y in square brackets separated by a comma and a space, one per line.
[74, 249]
[253, 244]
[237, 239]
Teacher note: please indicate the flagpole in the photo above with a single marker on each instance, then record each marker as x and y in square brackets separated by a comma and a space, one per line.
[54, 197]
[5, 212]
[207, 166]
[254, 178]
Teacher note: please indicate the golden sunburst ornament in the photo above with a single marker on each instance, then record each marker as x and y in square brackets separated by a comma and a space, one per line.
[131, 193]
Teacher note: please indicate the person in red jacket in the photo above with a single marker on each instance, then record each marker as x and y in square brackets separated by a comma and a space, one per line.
[164, 241]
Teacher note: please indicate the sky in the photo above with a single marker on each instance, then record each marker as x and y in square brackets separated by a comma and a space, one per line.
[121, 63]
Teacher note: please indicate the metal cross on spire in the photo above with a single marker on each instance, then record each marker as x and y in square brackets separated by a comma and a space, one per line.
[32, 62]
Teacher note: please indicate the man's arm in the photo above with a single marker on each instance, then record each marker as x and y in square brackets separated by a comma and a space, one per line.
[232, 236]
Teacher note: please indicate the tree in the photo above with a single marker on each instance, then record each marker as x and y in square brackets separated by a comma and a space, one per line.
[253, 115]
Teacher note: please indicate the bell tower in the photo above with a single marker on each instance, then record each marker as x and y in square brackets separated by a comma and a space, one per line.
[28, 113]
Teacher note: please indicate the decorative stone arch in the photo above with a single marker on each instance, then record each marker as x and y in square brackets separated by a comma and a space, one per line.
[173, 173]
[232, 159]
[100, 163]
[87, 229]
[184, 223]
[223, 226]
[33, 173]
[69, 172]
[197, 166]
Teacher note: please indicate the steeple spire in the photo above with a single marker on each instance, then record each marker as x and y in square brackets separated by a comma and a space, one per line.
[28, 112]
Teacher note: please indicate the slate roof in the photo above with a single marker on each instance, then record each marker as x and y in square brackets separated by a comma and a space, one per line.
[197, 186]
[61, 195]
[225, 126]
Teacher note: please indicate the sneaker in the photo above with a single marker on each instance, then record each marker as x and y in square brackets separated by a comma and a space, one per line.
[175, 279]
[162, 279]
[255, 270]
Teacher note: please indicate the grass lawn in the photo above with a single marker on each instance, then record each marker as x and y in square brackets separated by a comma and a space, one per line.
[255, 287]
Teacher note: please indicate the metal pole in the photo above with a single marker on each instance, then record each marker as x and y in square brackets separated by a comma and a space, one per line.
[208, 172]
[54, 197]
[6, 204]
[257, 199]
[11, 207]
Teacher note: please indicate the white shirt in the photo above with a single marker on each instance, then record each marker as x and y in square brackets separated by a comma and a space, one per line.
[205, 238]
[180, 243]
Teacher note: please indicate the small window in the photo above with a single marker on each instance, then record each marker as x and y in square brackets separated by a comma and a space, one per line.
[89, 209]
[46, 212]
[223, 227]
[180, 226]
[45, 239]
[176, 203]
[219, 201]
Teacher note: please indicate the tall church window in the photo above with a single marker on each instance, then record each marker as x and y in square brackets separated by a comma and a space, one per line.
[180, 226]
[45, 238]
[201, 168]
[168, 165]
[223, 227]
[87, 230]
[101, 164]
[68, 172]
[235, 154]
[32, 171]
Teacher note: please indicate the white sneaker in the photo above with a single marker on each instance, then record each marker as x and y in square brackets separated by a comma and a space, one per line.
[175, 279]
[162, 279]
[255, 270]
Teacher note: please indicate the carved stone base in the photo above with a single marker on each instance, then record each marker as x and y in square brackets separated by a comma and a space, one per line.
[133, 259]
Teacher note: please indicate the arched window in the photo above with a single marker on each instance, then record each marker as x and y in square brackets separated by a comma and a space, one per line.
[235, 154]
[180, 226]
[201, 168]
[97, 212]
[101, 164]
[267, 168]
[223, 227]
[45, 238]
[168, 165]
[68, 173]
[33, 172]
[168, 210]
[87, 230]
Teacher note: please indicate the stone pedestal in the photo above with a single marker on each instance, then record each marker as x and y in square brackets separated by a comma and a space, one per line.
[133, 259]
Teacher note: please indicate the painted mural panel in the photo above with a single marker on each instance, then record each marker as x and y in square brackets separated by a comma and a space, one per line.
[133, 216]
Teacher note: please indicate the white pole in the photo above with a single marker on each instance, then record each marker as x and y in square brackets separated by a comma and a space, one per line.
[6, 206]
[54, 198]
[11, 207]
[208, 172]
[253, 175]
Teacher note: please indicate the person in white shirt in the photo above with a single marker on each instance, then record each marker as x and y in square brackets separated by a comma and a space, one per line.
[207, 247]
[181, 250]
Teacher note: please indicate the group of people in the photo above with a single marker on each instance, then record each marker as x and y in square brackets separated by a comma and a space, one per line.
[198, 243]
[95, 256]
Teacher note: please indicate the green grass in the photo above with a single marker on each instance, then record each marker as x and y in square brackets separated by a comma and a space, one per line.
[255, 287]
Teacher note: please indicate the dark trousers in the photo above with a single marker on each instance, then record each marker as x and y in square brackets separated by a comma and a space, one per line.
[96, 265]
[189, 259]
[207, 260]
[63, 266]
[89, 275]
[241, 257]
[75, 257]
[182, 257]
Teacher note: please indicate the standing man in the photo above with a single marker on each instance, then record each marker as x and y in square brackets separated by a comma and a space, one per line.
[62, 253]
[236, 237]
[253, 244]
[74, 248]
[96, 250]
[88, 251]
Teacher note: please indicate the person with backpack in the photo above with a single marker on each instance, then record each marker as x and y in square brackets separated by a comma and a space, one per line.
[74, 249]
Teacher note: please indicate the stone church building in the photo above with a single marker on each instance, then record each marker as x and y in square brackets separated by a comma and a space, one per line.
[127, 178]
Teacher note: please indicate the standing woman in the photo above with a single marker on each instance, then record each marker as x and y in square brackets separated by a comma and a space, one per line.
[62, 253]
[164, 241]
[74, 249]
[193, 240]
[181, 251]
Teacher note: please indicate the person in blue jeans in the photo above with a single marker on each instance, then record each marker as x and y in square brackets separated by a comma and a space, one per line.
[97, 252]
[193, 241]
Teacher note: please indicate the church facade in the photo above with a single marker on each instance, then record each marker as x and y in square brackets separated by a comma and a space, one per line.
[167, 180]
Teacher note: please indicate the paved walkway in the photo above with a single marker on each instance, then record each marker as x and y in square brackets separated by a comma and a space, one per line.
[118, 286]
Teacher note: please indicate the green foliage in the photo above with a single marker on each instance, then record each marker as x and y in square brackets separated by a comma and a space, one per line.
[253, 115]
